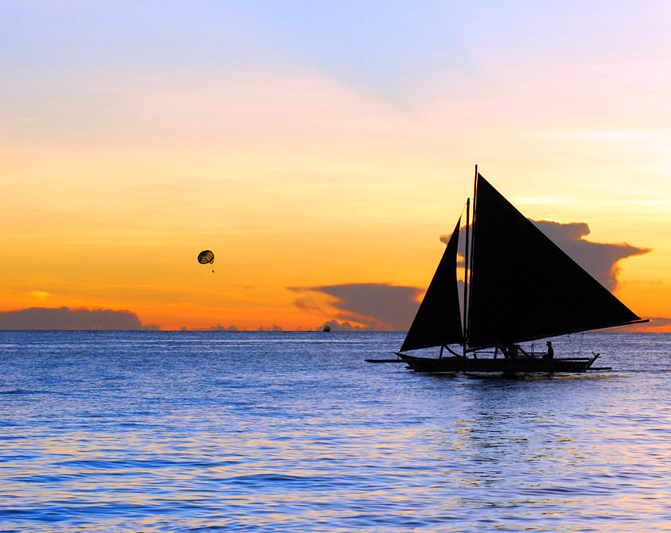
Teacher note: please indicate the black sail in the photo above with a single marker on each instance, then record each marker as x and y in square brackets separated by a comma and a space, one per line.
[524, 286]
[438, 319]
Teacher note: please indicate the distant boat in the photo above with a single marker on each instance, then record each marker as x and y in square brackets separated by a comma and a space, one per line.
[327, 329]
[518, 286]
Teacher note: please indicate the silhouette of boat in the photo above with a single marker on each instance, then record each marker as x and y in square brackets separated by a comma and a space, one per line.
[518, 286]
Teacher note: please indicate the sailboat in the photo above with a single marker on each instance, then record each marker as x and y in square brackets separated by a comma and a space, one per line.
[518, 286]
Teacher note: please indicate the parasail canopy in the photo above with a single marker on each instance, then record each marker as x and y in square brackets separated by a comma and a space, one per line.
[205, 257]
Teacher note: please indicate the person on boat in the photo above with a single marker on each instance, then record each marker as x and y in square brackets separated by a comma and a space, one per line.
[510, 351]
[551, 352]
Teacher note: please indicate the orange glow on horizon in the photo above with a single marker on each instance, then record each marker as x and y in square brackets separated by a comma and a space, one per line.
[124, 157]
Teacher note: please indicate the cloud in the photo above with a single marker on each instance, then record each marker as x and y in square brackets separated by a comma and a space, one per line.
[63, 318]
[599, 259]
[341, 326]
[375, 306]
[383, 306]
[659, 322]
[274, 327]
[219, 327]
[655, 325]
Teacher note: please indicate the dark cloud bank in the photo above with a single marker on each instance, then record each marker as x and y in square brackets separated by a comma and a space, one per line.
[64, 318]
[382, 306]
[599, 259]
[378, 306]
[656, 324]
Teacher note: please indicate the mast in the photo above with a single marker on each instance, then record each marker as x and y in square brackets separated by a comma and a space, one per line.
[467, 318]
[466, 267]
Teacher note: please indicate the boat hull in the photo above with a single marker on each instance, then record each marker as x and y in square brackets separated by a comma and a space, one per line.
[519, 365]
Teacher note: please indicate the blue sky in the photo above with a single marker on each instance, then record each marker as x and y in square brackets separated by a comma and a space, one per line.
[392, 48]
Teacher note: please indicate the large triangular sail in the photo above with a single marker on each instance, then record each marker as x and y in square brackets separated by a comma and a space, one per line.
[438, 320]
[525, 287]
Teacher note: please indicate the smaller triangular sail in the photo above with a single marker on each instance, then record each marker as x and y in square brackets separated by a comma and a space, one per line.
[524, 286]
[438, 319]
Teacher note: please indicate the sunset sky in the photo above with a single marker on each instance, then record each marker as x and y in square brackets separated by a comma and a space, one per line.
[320, 149]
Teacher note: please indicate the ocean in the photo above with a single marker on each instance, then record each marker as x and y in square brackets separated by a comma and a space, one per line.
[284, 432]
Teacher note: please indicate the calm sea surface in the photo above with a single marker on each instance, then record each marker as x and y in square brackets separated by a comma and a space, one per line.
[172, 431]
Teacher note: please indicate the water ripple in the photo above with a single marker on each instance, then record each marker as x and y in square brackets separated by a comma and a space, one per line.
[155, 432]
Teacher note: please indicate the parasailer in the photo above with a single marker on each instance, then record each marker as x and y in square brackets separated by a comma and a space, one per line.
[206, 257]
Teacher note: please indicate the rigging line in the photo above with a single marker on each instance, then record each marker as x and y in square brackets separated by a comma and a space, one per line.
[465, 227]
[570, 344]
[461, 215]
[469, 272]
[467, 266]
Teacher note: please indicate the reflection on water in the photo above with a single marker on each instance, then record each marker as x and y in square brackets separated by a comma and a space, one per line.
[166, 431]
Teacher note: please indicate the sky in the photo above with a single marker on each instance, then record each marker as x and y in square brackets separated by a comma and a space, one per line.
[320, 150]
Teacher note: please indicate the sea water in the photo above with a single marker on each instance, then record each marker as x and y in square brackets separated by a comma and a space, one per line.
[278, 432]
